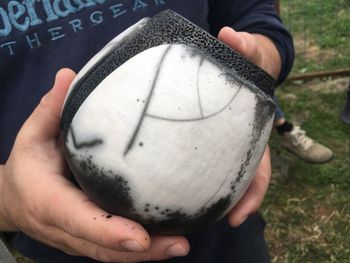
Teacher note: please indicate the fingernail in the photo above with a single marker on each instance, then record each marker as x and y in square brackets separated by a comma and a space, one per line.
[132, 245]
[176, 251]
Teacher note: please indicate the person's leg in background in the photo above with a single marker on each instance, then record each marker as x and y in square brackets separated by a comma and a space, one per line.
[345, 115]
[294, 139]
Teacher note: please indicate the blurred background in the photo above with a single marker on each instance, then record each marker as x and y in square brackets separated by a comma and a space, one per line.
[307, 206]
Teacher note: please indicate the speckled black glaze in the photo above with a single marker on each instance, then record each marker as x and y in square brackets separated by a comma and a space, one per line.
[177, 222]
[264, 107]
[111, 192]
[165, 28]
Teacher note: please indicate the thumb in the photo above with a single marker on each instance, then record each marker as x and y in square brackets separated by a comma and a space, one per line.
[242, 42]
[44, 122]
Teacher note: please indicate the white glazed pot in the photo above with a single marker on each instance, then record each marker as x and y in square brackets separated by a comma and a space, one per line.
[166, 125]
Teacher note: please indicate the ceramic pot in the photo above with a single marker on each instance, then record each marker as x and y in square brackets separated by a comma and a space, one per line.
[166, 125]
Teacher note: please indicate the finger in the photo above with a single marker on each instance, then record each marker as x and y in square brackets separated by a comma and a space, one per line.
[254, 196]
[162, 248]
[242, 42]
[75, 214]
[44, 121]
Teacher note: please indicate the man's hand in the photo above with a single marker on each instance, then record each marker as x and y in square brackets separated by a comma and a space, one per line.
[39, 200]
[261, 51]
[257, 48]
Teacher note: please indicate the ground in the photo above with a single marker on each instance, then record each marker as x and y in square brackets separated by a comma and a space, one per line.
[307, 206]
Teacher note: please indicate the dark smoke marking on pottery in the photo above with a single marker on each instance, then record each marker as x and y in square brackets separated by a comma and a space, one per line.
[165, 28]
[230, 174]
[177, 222]
[149, 98]
[193, 52]
[230, 78]
[198, 90]
[86, 144]
[111, 191]
[105, 187]
[264, 110]
[199, 118]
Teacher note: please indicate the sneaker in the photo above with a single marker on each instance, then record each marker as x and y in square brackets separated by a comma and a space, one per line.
[345, 115]
[303, 146]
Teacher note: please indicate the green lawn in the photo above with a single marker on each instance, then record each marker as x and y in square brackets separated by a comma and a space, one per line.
[307, 206]
[321, 31]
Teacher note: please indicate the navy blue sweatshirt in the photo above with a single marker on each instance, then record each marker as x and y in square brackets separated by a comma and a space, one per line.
[37, 38]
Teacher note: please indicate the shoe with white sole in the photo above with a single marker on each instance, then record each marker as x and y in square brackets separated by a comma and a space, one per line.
[306, 148]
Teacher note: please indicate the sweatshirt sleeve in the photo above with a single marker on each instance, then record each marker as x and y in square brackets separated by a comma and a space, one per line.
[254, 16]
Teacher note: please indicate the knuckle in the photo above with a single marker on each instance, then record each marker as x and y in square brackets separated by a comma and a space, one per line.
[97, 253]
[101, 255]
[68, 224]
[65, 220]
[57, 240]
[43, 105]
[71, 252]
[147, 256]
[46, 106]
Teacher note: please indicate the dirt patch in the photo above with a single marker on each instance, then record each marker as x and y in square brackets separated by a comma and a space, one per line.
[337, 85]
[324, 85]
[310, 50]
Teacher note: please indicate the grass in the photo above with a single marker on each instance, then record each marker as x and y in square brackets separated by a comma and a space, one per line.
[321, 31]
[307, 206]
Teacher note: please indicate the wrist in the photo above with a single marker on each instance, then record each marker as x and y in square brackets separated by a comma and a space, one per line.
[270, 59]
[4, 224]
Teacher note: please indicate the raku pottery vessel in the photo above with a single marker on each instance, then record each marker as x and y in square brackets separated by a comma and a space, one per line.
[166, 125]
